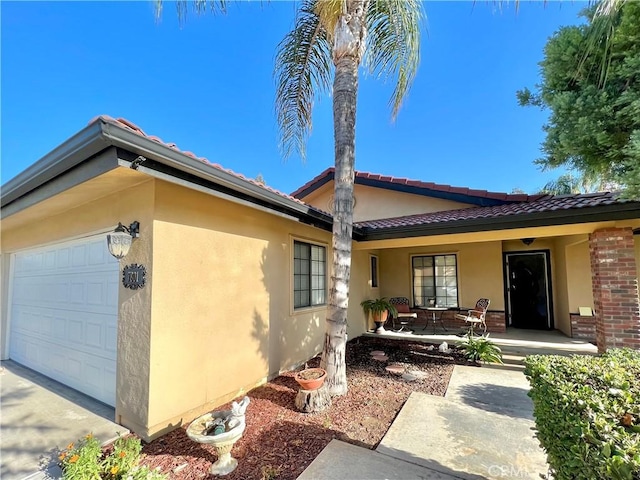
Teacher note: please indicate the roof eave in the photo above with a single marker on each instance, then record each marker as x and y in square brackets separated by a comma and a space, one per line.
[429, 192]
[100, 135]
[84, 144]
[622, 211]
[151, 149]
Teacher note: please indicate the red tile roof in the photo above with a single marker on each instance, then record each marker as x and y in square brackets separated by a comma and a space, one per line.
[544, 204]
[326, 175]
[126, 124]
[514, 204]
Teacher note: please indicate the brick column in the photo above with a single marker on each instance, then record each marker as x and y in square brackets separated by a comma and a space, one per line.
[615, 288]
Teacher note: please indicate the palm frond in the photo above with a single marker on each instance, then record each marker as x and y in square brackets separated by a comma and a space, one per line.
[608, 7]
[329, 12]
[302, 70]
[603, 27]
[393, 45]
[198, 6]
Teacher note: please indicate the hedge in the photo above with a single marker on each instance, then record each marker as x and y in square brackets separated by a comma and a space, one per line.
[587, 412]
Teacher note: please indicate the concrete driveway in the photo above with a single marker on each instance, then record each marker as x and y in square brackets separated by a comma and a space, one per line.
[41, 416]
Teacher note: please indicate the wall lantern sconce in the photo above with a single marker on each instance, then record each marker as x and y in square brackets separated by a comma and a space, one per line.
[119, 241]
[527, 241]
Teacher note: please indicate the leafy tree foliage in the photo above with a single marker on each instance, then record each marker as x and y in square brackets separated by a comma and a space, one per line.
[591, 85]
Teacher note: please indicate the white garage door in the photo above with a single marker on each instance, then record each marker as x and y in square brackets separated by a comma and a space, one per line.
[64, 312]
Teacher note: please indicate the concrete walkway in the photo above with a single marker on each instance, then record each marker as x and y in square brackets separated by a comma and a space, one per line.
[40, 416]
[481, 429]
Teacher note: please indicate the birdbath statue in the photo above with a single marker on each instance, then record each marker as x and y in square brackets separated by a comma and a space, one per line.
[221, 429]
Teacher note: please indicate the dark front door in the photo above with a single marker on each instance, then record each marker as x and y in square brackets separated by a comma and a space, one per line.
[528, 290]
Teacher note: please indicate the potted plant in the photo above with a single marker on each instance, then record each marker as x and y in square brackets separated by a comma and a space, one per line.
[379, 309]
[310, 378]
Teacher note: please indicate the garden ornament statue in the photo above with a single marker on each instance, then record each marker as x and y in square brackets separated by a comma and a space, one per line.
[221, 429]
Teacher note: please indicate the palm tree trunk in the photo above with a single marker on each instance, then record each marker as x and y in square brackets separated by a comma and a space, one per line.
[345, 88]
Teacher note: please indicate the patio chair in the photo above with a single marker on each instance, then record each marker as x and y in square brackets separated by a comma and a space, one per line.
[405, 316]
[476, 318]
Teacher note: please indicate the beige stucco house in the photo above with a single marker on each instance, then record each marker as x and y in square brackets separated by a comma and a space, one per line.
[237, 273]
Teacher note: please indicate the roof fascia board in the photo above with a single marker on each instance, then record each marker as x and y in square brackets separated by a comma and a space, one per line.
[206, 182]
[456, 197]
[211, 191]
[317, 185]
[84, 144]
[175, 159]
[624, 211]
[100, 135]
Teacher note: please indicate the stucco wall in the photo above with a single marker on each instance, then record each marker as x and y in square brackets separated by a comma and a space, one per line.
[570, 274]
[91, 218]
[373, 203]
[479, 271]
[579, 273]
[561, 284]
[360, 289]
[223, 319]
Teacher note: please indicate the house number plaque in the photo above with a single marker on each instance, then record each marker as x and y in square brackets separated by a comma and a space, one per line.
[134, 276]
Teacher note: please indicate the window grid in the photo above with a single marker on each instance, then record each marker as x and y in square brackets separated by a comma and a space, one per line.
[435, 280]
[309, 275]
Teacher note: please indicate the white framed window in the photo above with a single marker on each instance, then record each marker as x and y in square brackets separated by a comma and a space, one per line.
[309, 274]
[373, 270]
[435, 280]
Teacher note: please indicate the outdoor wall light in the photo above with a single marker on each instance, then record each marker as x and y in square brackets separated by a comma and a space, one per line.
[527, 241]
[119, 241]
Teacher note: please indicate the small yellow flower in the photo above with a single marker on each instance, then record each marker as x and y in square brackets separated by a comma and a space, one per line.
[70, 446]
[74, 459]
[62, 455]
[122, 454]
[114, 470]
[89, 436]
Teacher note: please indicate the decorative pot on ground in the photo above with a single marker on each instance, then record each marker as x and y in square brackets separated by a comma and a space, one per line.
[221, 429]
[311, 378]
[380, 319]
[379, 309]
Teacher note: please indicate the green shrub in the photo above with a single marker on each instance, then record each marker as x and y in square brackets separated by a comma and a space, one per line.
[85, 460]
[480, 349]
[587, 412]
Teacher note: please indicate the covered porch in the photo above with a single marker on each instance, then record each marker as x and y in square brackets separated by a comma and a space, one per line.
[577, 282]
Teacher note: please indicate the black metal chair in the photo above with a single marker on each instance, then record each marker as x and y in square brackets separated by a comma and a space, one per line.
[405, 315]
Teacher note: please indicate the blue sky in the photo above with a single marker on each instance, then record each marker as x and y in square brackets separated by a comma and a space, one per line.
[209, 88]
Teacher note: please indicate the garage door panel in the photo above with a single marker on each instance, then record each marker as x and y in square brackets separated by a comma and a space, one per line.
[76, 331]
[64, 315]
[78, 369]
[93, 295]
[110, 344]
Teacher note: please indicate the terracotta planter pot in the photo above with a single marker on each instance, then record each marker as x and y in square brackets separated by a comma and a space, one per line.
[379, 318]
[311, 378]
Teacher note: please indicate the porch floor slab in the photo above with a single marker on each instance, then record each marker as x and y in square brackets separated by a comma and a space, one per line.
[514, 340]
[40, 416]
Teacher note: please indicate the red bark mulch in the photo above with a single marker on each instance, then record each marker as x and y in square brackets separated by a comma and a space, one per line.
[279, 442]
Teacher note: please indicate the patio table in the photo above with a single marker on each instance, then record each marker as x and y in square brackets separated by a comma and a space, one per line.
[436, 316]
